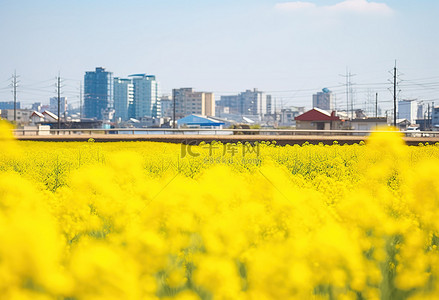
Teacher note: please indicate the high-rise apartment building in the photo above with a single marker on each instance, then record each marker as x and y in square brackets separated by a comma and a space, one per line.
[420, 113]
[123, 98]
[250, 102]
[434, 117]
[188, 102]
[231, 103]
[53, 106]
[270, 108]
[98, 93]
[408, 109]
[146, 99]
[253, 103]
[166, 106]
[37, 106]
[323, 100]
[9, 105]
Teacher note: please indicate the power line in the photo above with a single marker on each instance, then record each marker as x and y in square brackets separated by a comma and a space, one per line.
[37, 82]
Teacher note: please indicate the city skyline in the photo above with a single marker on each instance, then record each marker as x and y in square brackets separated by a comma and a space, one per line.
[290, 50]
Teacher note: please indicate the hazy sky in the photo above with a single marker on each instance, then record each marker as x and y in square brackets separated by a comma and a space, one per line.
[288, 49]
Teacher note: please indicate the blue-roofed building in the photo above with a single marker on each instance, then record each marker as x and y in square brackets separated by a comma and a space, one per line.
[197, 121]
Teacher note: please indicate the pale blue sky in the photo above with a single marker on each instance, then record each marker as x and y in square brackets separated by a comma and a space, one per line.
[289, 49]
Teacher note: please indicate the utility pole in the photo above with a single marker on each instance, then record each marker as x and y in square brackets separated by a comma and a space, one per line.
[428, 116]
[80, 100]
[347, 92]
[58, 86]
[394, 95]
[376, 105]
[352, 99]
[14, 90]
[173, 101]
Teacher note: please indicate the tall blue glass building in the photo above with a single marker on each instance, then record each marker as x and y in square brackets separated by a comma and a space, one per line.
[98, 93]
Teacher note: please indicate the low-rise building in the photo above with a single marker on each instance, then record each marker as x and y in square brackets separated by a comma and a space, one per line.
[49, 116]
[318, 119]
[36, 117]
[288, 115]
[197, 121]
[22, 115]
[403, 124]
[367, 124]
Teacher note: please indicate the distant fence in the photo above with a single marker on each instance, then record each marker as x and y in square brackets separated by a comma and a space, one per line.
[201, 131]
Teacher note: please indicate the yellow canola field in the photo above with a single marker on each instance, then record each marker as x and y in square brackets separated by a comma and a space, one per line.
[140, 220]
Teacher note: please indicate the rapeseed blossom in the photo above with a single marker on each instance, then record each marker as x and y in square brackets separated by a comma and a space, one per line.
[139, 221]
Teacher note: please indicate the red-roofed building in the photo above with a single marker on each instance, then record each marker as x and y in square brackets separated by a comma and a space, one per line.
[49, 116]
[318, 119]
[36, 117]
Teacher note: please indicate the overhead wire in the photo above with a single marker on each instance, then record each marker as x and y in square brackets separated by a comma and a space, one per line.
[422, 86]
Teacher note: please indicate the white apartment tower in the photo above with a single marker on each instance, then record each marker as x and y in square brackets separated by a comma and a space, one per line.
[253, 103]
[123, 98]
[146, 99]
[408, 109]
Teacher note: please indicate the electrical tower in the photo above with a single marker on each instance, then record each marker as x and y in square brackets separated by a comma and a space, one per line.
[14, 86]
[58, 91]
[376, 105]
[395, 75]
[349, 98]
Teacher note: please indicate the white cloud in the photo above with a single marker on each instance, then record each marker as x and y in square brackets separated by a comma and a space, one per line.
[344, 7]
[361, 6]
[295, 6]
